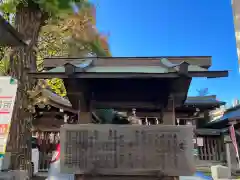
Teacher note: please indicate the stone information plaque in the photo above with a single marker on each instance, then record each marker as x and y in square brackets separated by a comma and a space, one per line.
[127, 150]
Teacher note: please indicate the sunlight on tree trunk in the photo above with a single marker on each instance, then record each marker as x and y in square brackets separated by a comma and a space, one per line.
[28, 22]
[29, 17]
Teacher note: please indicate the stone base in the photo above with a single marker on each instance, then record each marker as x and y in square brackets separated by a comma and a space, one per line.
[14, 175]
[80, 177]
[220, 172]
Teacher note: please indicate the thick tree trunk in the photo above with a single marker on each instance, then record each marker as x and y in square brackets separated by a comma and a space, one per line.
[28, 22]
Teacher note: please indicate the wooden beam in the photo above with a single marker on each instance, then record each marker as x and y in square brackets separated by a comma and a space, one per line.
[47, 75]
[148, 114]
[207, 74]
[45, 129]
[125, 105]
[208, 131]
[202, 61]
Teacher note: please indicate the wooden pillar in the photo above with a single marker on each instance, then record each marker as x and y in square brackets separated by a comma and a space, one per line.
[84, 109]
[173, 111]
[169, 113]
[79, 96]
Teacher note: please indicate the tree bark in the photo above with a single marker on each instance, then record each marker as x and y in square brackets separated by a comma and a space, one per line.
[28, 22]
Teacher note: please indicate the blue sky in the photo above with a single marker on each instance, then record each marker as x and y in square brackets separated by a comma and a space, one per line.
[175, 27]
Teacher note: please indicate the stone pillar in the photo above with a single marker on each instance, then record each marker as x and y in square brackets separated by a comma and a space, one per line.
[228, 142]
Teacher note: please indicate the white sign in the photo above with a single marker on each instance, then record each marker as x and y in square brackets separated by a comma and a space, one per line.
[200, 141]
[8, 90]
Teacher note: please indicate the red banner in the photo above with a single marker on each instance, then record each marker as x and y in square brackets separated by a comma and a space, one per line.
[3, 129]
[234, 140]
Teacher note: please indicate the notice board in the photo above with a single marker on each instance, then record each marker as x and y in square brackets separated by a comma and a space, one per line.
[127, 149]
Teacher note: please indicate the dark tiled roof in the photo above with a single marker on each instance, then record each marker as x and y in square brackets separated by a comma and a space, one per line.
[203, 100]
[231, 113]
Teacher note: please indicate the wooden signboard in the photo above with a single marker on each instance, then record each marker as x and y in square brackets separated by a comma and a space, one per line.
[127, 150]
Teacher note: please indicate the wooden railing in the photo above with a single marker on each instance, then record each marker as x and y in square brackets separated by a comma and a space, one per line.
[212, 149]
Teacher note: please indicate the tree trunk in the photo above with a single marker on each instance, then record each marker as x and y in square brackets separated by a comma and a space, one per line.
[28, 22]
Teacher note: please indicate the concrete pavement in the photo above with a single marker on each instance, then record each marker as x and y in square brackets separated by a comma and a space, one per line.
[190, 178]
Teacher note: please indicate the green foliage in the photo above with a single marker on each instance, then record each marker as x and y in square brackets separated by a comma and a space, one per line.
[83, 36]
[9, 6]
[52, 43]
[67, 38]
[4, 67]
[51, 7]
[2, 51]
[57, 86]
[65, 34]
[4, 61]
[96, 47]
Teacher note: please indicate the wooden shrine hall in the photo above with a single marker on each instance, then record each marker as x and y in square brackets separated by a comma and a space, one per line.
[157, 84]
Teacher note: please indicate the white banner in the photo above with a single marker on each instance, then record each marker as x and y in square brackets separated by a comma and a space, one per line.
[8, 90]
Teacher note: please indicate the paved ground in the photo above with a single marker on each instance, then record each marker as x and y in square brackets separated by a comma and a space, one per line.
[181, 178]
[40, 176]
[190, 178]
[43, 176]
